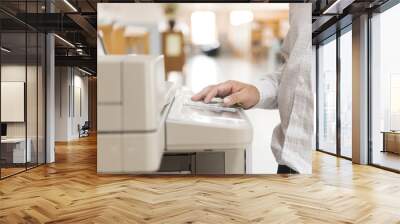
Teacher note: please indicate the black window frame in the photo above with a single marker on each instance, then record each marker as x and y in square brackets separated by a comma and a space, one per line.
[30, 29]
[333, 37]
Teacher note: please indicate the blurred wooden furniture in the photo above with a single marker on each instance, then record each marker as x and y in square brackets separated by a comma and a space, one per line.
[391, 141]
[137, 40]
[263, 33]
[106, 31]
[114, 38]
[118, 39]
[173, 50]
[258, 50]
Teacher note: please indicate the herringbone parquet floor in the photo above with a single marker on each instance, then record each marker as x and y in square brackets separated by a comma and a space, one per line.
[70, 191]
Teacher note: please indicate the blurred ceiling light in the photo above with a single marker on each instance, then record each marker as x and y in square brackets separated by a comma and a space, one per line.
[70, 5]
[5, 50]
[239, 17]
[79, 51]
[203, 28]
[84, 71]
[64, 40]
[337, 7]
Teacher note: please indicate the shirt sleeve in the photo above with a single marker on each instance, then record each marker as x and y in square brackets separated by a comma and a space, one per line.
[268, 86]
[293, 137]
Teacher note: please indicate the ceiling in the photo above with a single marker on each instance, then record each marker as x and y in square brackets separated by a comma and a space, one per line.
[331, 15]
[78, 27]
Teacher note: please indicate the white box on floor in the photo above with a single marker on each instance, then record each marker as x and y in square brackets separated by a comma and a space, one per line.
[19, 154]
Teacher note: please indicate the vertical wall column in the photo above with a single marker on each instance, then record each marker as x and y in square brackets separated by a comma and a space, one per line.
[50, 98]
[63, 102]
[360, 90]
[50, 92]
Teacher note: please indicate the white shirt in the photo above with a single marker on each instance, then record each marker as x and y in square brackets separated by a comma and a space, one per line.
[290, 91]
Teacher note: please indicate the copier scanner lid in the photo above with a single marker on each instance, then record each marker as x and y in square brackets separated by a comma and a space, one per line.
[201, 128]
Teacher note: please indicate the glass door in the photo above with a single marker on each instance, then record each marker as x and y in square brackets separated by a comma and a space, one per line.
[22, 77]
[385, 90]
[14, 153]
[346, 93]
[327, 96]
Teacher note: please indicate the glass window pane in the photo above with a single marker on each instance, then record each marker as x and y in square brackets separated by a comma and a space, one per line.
[41, 98]
[13, 86]
[327, 97]
[346, 94]
[31, 87]
[22, 89]
[386, 89]
[31, 97]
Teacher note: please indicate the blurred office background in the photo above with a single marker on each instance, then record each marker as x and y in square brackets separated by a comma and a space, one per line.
[204, 44]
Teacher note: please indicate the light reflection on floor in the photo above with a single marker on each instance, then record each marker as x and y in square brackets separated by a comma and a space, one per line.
[202, 70]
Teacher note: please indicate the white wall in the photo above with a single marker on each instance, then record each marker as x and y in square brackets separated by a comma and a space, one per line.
[69, 82]
[62, 81]
[79, 118]
[33, 127]
[12, 73]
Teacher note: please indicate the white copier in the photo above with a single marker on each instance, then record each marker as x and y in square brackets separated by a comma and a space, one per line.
[148, 125]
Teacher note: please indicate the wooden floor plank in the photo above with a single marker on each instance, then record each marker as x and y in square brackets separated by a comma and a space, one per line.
[70, 191]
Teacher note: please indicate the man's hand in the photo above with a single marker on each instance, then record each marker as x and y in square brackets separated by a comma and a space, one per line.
[233, 92]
